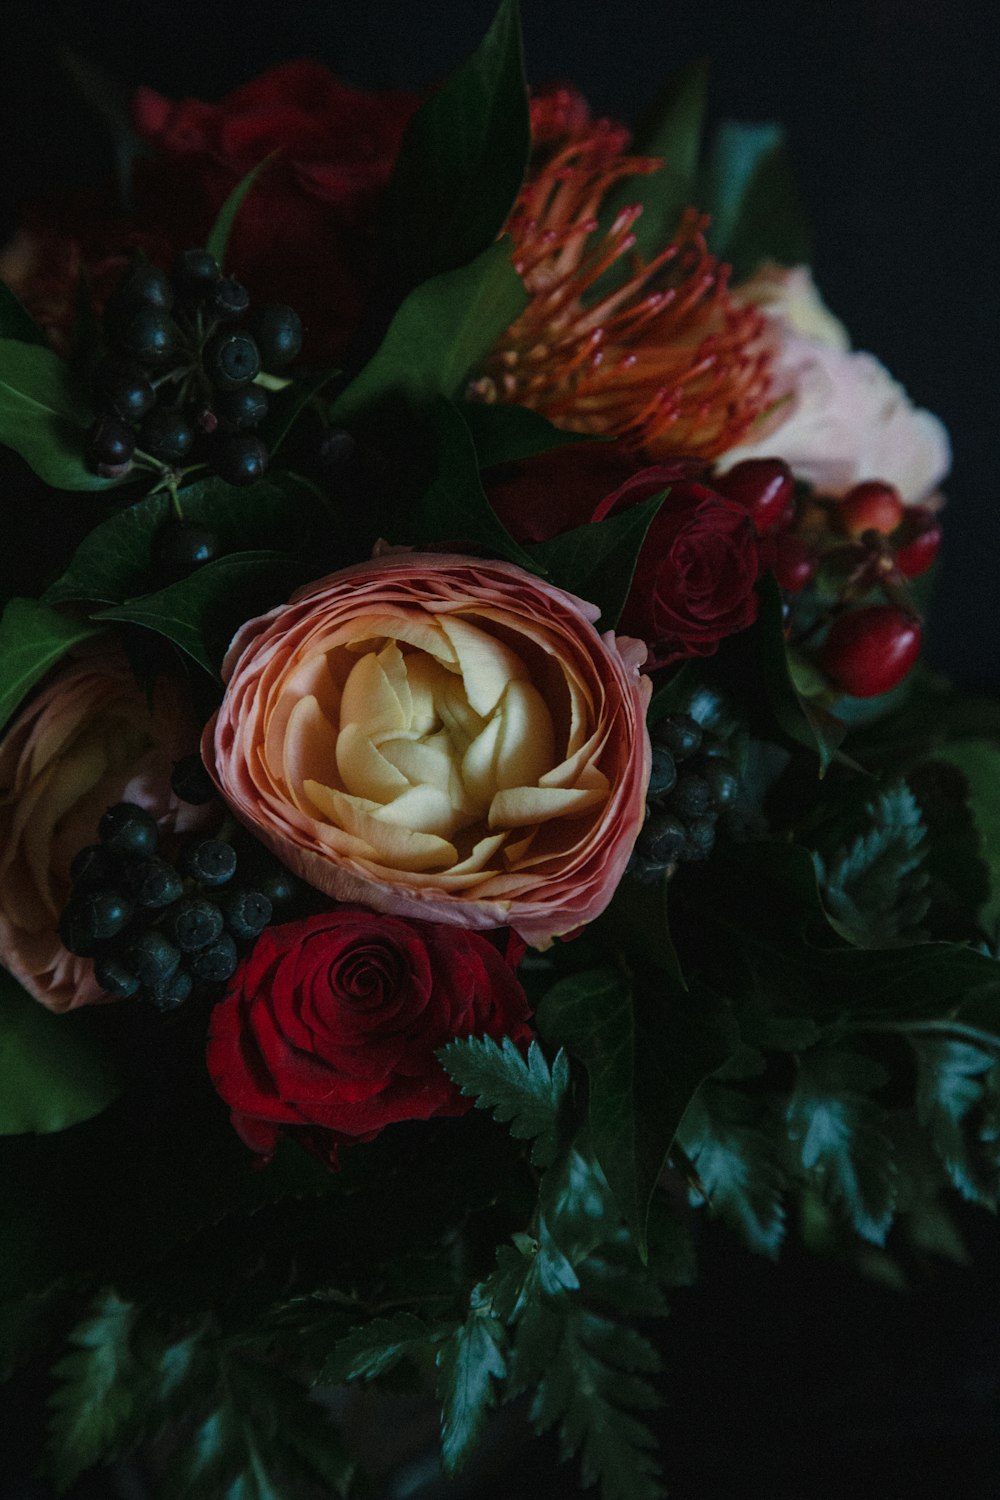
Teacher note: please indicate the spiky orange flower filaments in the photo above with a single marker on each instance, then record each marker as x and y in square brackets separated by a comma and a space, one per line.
[663, 358]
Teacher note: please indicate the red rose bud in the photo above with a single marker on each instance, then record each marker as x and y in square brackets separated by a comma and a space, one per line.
[765, 487]
[872, 506]
[869, 652]
[920, 541]
[330, 1028]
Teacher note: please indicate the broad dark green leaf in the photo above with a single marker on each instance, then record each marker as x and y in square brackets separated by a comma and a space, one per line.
[672, 130]
[646, 1051]
[53, 1074]
[505, 434]
[378, 1346]
[804, 721]
[33, 638]
[979, 762]
[454, 507]
[596, 562]
[44, 415]
[469, 1363]
[217, 243]
[202, 613]
[438, 336]
[114, 562]
[16, 322]
[522, 1092]
[287, 405]
[750, 194]
[461, 163]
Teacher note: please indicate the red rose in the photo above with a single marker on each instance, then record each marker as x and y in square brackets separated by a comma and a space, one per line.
[330, 1026]
[305, 234]
[695, 576]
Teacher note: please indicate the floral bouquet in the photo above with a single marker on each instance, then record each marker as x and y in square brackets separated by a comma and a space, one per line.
[471, 809]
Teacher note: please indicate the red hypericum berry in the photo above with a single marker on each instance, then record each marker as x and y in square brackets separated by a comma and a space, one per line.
[791, 562]
[869, 652]
[765, 486]
[917, 556]
[872, 506]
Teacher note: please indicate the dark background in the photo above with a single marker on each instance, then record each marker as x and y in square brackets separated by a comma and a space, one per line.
[797, 1381]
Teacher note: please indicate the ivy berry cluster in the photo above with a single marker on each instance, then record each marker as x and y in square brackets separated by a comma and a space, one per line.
[158, 930]
[178, 387]
[691, 784]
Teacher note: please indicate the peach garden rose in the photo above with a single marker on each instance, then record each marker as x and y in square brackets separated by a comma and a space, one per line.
[439, 737]
[89, 738]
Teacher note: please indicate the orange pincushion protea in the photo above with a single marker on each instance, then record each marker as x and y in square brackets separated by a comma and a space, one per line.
[665, 360]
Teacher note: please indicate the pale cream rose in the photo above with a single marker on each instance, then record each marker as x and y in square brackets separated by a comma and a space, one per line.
[87, 739]
[439, 737]
[838, 417]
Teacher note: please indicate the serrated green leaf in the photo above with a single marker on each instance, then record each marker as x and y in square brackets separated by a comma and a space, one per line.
[469, 1364]
[53, 1074]
[461, 163]
[454, 507]
[33, 639]
[737, 1161]
[750, 196]
[596, 562]
[952, 1078]
[438, 336]
[837, 1130]
[217, 243]
[44, 415]
[979, 762]
[378, 1346]
[875, 888]
[16, 322]
[958, 875]
[646, 1052]
[201, 613]
[99, 1401]
[522, 1092]
[505, 434]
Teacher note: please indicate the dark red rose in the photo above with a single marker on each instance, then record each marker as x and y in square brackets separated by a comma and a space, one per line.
[694, 580]
[330, 1026]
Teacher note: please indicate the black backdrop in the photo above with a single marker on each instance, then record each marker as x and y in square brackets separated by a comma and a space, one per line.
[796, 1381]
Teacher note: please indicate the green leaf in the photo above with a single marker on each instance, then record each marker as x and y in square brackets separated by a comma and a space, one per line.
[596, 562]
[33, 639]
[44, 415]
[958, 876]
[952, 1081]
[727, 1139]
[505, 434]
[979, 762]
[115, 561]
[454, 507]
[99, 1402]
[839, 1136]
[750, 195]
[672, 130]
[438, 336]
[53, 1075]
[462, 161]
[590, 1387]
[875, 889]
[217, 243]
[646, 1050]
[523, 1092]
[469, 1363]
[201, 613]
[378, 1346]
[802, 720]
[287, 405]
[16, 322]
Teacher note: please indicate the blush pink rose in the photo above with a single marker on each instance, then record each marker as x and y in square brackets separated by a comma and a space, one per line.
[439, 737]
[89, 738]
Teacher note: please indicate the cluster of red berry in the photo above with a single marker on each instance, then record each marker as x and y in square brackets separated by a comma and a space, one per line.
[859, 553]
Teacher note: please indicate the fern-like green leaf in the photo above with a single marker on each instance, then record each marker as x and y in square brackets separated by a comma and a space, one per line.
[875, 888]
[523, 1092]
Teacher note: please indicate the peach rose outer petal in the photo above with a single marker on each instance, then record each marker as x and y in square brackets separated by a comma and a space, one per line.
[602, 683]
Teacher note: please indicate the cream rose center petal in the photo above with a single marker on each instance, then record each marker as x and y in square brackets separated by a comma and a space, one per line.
[425, 746]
